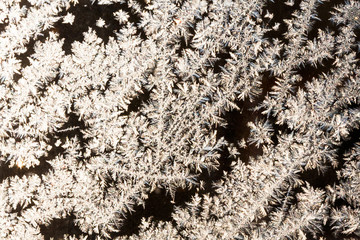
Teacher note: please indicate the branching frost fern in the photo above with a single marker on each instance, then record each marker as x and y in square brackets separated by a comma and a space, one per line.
[91, 128]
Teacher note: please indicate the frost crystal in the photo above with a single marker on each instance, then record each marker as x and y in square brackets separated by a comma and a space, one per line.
[222, 119]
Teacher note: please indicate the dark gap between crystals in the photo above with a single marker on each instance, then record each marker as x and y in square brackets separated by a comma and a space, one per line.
[86, 15]
[308, 72]
[280, 12]
[136, 102]
[58, 227]
[158, 206]
[220, 60]
[324, 14]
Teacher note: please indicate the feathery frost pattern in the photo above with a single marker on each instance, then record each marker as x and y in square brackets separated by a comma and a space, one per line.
[240, 117]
